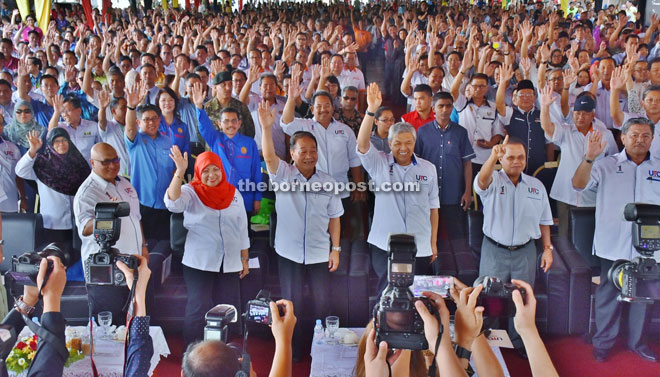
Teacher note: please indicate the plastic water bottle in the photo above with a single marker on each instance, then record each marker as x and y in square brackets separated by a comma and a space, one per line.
[318, 332]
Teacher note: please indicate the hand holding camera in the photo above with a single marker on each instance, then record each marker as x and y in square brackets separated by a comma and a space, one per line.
[468, 319]
[144, 273]
[525, 318]
[282, 324]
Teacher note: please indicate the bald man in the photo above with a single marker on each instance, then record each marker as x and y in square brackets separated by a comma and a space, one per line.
[105, 185]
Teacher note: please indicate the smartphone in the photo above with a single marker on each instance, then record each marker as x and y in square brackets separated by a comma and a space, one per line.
[437, 284]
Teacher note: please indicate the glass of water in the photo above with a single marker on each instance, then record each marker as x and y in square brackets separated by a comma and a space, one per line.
[332, 324]
[105, 320]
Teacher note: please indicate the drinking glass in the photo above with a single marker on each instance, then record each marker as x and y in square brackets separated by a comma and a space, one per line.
[105, 320]
[332, 324]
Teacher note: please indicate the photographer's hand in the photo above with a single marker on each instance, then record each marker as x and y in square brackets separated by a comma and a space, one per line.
[469, 317]
[282, 328]
[52, 290]
[144, 273]
[375, 357]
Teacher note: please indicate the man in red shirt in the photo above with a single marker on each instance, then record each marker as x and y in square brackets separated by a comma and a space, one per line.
[423, 113]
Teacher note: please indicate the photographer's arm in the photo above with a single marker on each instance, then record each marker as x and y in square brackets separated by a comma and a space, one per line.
[140, 346]
[47, 361]
[282, 328]
[524, 321]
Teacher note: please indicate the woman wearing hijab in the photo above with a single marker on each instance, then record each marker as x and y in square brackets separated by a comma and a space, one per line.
[216, 251]
[20, 126]
[59, 170]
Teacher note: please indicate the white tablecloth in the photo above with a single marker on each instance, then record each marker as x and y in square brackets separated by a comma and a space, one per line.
[339, 360]
[109, 356]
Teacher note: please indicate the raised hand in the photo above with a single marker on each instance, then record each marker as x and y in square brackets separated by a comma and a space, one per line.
[526, 66]
[34, 138]
[253, 75]
[618, 79]
[58, 104]
[374, 97]
[545, 52]
[546, 97]
[569, 77]
[469, 316]
[198, 95]
[467, 60]
[596, 145]
[499, 150]
[134, 95]
[506, 73]
[279, 68]
[104, 98]
[326, 71]
[266, 115]
[180, 160]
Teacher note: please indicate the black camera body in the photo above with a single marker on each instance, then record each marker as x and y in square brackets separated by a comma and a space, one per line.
[497, 297]
[25, 267]
[639, 279]
[258, 310]
[396, 319]
[100, 267]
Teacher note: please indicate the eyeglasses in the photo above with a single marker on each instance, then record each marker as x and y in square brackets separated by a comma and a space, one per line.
[347, 98]
[526, 95]
[479, 86]
[24, 111]
[230, 121]
[108, 162]
[152, 119]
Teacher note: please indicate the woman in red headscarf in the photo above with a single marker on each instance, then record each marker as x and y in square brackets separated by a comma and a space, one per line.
[215, 255]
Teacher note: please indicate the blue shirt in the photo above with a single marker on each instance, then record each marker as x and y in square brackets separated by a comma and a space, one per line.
[151, 168]
[240, 158]
[177, 132]
[188, 115]
[448, 150]
[42, 112]
[526, 126]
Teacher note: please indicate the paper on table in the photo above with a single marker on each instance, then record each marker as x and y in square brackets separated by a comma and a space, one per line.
[254, 262]
[499, 338]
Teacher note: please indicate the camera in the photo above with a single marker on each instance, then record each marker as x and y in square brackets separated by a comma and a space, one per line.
[217, 320]
[497, 297]
[100, 267]
[25, 267]
[639, 279]
[396, 319]
[258, 310]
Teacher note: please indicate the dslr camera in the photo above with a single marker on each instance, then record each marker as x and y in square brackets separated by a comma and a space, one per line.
[639, 279]
[396, 319]
[497, 297]
[100, 267]
[25, 267]
[258, 310]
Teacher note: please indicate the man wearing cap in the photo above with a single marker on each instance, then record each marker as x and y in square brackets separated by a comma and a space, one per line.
[524, 120]
[572, 139]
[223, 100]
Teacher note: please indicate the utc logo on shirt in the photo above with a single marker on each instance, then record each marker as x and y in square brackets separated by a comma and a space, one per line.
[339, 132]
[88, 133]
[128, 190]
[243, 150]
[654, 175]
[534, 190]
[422, 178]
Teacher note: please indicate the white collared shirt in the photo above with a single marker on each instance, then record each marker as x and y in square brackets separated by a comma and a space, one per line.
[114, 135]
[481, 123]
[353, 77]
[573, 146]
[513, 213]
[9, 156]
[655, 144]
[303, 216]
[96, 190]
[55, 208]
[83, 137]
[401, 211]
[214, 236]
[279, 140]
[337, 147]
[617, 182]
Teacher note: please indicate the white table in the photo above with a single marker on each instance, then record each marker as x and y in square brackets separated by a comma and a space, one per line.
[109, 355]
[339, 360]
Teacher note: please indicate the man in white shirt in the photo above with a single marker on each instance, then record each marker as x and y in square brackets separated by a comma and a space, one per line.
[626, 177]
[104, 185]
[400, 211]
[307, 239]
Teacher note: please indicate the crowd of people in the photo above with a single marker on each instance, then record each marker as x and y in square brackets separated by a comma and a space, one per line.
[176, 111]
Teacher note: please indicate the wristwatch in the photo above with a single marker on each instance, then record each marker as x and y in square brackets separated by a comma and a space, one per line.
[2, 242]
[461, 352]
[549, 247]
[336, 248]
[588, 161]
[22, 307]
[370, 113]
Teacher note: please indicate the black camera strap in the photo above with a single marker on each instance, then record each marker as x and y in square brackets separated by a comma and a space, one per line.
[434, 364]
